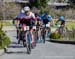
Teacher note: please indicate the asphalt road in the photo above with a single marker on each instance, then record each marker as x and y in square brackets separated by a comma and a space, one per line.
[48, 50]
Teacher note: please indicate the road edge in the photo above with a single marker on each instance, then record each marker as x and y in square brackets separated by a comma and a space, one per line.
[63, 42]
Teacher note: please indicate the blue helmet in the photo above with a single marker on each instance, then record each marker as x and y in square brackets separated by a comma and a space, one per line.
[49, 17]
[61, 18]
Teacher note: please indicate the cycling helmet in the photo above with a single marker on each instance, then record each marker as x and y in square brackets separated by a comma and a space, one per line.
[49, 17]
[26, 8]
[61, 18]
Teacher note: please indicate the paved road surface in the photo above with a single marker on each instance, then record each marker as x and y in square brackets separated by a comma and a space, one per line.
[42, 51]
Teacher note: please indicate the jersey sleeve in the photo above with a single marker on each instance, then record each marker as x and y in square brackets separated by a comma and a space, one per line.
[33, 16]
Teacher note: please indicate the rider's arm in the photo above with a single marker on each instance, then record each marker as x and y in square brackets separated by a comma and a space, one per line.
[34, 18]
[57, 22]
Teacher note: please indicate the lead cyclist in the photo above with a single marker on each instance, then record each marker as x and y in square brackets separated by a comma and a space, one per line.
[27, 18]
[30, 20]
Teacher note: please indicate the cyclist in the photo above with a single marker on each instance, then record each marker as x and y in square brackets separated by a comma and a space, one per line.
[49, 17]
[17, 19]
[62, 25]
[39, 27]
[44, 22]
[62, 20]
[27, 18]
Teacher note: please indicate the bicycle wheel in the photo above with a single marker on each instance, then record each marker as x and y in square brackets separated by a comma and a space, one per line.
[24, 39]
[61, 29]
[28, 42]
[28, 49]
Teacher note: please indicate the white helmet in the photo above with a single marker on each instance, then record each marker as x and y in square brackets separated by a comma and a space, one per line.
[26, 8]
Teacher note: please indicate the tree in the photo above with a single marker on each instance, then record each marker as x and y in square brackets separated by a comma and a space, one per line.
[39, 3]
[72, 3]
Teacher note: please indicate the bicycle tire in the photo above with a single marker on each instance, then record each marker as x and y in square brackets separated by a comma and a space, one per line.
[28, 49]
[28, 44]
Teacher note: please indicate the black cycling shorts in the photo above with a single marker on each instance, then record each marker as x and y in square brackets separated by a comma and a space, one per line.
[62, 22]
[45, 21]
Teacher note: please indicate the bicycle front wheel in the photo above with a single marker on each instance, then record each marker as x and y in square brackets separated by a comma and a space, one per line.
[28, 42]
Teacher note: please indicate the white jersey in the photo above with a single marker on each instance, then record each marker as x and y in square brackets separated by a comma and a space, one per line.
[31, 16]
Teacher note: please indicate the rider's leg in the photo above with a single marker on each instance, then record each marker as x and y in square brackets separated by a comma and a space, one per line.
[17, 27]
[16, 30]
[32, 37]
[62, 26]
[20, 35]
[17, 33]
[43, 35]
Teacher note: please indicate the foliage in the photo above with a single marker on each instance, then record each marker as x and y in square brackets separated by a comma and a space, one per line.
[70, 24]
[39, 3]
[55, 35]
[4, 39]
[1, 26]
[72, 3]
[71, 34]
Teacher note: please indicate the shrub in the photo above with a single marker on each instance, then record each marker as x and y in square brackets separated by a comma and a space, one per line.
[4, 39]
[55, 35]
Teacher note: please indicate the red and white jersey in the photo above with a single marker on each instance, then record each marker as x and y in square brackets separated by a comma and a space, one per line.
[31, 16]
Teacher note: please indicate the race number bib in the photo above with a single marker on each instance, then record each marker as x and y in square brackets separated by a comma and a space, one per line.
[34, 27]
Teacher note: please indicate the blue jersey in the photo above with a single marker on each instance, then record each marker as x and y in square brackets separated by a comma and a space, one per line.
[44, 16]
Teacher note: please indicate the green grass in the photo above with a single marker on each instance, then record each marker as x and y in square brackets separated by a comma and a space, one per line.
[6, 23]
[70, 24]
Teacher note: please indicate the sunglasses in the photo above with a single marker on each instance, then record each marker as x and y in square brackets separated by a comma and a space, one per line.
[26, 11]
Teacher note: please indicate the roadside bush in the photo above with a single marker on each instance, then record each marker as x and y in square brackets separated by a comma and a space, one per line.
[55, 35]
[4, 39]
[71, 34]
